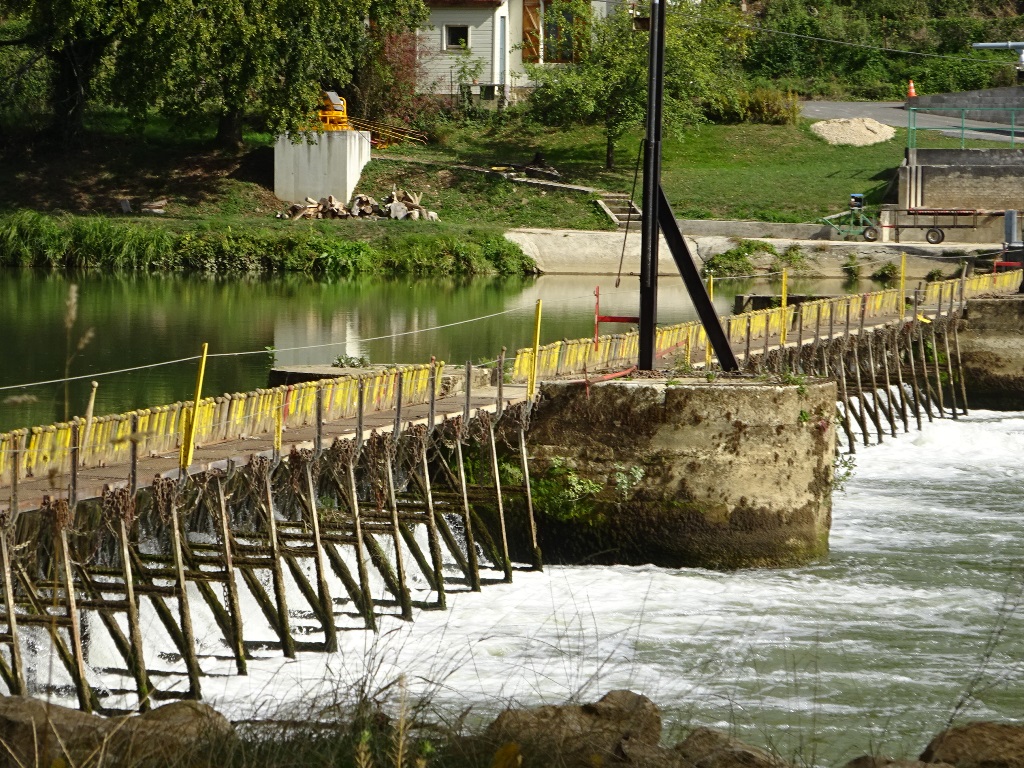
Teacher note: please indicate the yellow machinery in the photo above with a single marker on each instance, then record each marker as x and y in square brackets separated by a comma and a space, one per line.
[333, 116]
[333, 112]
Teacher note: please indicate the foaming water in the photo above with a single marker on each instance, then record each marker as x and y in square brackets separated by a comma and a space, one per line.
[868, 650]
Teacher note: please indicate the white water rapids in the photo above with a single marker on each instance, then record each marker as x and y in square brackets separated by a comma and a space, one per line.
[869, 650]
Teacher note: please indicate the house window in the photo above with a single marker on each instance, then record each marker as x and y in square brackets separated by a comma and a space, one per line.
[456, 37]
[558, 31]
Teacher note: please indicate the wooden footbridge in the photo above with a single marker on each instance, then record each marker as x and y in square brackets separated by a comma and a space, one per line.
[398, 487]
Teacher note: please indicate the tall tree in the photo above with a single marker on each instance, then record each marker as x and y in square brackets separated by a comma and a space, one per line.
[604, 79]
[74, 35]
[270, 58]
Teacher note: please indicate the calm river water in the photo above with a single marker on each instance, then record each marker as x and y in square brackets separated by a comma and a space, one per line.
[868, 650]
[144, 320]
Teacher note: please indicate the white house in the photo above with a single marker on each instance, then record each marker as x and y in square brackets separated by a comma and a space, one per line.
[490, 39]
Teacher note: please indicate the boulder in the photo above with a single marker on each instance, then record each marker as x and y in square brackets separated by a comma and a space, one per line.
[978, 745]
[880, 761]
[170, 731]
[622, 728]
[707, 748]
[36, 733]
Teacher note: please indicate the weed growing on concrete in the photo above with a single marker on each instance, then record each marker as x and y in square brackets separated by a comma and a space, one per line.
[350, 361]
[792, 259]
[625, 479]
[790, 379]
[851, 268]
[935, 276]
[886, 274]
[843, 468]
[563, 494]
[738, 259]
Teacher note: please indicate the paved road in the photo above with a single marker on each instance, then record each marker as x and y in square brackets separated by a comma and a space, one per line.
[892, 113]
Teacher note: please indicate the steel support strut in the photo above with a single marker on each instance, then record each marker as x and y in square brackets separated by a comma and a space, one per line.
[657, 215]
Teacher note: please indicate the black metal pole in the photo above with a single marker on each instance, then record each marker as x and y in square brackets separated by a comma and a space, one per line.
[652, 180]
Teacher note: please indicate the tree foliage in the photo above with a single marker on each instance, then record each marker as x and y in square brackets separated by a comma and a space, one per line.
[605, 79]
[190, 59]
[870, 68]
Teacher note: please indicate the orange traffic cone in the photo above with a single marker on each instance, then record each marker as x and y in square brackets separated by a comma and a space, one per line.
[911, 93]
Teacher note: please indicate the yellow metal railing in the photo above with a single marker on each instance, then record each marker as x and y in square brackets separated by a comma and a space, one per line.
[690, 341]
[160, 430]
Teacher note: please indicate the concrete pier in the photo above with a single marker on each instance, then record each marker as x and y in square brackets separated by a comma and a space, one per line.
[992, 350]
[726, 473]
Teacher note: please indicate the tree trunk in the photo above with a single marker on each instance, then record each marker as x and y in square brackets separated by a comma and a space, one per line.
[609, 151]
[74, 67]
[229, 128]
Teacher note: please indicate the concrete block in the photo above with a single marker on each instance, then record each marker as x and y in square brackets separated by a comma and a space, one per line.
[330, 165]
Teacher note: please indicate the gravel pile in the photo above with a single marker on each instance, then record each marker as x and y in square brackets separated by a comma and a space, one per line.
[858, 131]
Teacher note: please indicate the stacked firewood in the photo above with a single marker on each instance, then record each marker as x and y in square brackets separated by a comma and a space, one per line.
[325, 208]
[399, 204]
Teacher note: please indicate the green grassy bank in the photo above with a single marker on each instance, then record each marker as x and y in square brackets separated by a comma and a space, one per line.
[67, 242]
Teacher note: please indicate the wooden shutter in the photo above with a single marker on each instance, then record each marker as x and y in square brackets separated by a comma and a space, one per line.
[531, 31]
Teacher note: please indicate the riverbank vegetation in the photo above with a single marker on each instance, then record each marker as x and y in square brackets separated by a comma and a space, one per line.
[103, 111]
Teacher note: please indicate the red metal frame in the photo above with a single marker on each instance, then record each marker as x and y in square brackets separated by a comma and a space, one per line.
[599, 318]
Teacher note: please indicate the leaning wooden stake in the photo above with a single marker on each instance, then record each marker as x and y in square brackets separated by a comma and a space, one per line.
[364, 581]
[138, 661]
[938, 374]
[861, 399]
[234, 609]
[875, 392]
[899, 380]
[959, 361]
[926, 388]
[283, 625]
[435, 545]
[908, 331]
[467, 514]
[538, 560]
[17, 666]
[851, 441]
[949, 365]
[188, 643]
[81, 681]
[404, 598]
[506, 562]
[322, 588]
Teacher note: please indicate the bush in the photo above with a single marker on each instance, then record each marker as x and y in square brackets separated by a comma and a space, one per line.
[765, 105]
[792, 259]
[851, 268]
[886, 274]
[737, 260]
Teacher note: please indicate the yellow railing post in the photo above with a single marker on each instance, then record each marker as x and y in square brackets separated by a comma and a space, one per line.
[188, 439]
[532, 386]
[783, 320]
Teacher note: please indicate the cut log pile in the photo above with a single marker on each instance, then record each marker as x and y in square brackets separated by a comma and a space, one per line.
[398, 204]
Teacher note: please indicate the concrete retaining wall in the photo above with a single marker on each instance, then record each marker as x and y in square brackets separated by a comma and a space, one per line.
[981, 179]
[578, 252]
[329, 166]
[723, 474]
[992, 100]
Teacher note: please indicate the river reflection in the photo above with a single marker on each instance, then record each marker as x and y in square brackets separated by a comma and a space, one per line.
[142, 320]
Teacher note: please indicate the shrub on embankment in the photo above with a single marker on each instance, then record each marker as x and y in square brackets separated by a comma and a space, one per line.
[30, 239]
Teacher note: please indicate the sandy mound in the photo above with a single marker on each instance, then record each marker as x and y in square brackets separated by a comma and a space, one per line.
[858, 131]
